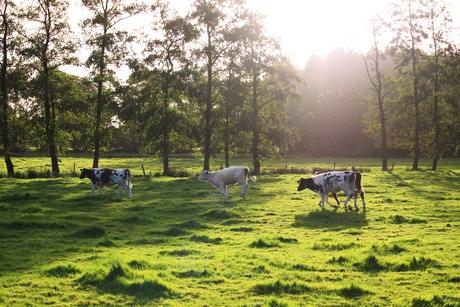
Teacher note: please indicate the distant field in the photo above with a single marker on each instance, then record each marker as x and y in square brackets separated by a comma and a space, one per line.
[178, 243]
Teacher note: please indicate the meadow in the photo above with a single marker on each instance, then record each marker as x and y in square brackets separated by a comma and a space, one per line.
[179, 243]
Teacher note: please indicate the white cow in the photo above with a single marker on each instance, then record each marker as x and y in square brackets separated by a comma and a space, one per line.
[103, 176]
[331, 182]
[231, 175]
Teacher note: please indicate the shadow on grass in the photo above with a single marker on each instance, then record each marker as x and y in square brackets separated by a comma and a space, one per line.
[331, 219]
[117, 281]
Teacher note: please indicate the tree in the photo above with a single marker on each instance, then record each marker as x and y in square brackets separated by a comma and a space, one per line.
[167, 57]
[271, 84]
[109, 50]
[215, 20]
[6, 29]
[407, 24]
[438, 27]
[379, 83]
[50, 44]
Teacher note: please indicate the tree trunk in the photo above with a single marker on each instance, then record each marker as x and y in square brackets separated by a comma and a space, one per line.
[4, 100]
[437, 130]
[255, 128]
[417, 112]
[227, 135]
[50, 125]
[99, 102]
[97, 132]
[166, 128]
[208, 111]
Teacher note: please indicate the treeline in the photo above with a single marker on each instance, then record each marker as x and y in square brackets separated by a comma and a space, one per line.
[214, 80]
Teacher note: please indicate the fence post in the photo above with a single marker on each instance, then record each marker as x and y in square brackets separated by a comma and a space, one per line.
[143, 170]
[392, 166]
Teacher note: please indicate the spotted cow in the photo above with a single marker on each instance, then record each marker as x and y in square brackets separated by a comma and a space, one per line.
[101, 177]
[332, 182]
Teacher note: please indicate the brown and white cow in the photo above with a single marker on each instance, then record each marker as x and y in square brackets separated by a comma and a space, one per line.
[101, 177]
[332, 182]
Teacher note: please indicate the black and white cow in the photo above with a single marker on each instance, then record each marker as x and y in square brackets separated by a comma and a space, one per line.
[103, 176]
[358, 187]
[331, 182]
[230, 175]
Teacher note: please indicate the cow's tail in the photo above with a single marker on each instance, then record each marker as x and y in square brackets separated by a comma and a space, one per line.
[248, 175]
[129, 178]
[352, 181]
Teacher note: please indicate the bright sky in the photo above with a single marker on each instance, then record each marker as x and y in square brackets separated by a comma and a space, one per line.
[306, 27]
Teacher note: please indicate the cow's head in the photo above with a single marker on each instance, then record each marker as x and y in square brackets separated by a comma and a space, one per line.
[84, 173]
[204, 175]
[87, 173]
[306, 184]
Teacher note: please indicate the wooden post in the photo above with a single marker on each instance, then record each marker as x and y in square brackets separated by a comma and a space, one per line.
[392, 166]
[143, 170]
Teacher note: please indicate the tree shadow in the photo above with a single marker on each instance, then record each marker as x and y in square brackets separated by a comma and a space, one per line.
[331, 219]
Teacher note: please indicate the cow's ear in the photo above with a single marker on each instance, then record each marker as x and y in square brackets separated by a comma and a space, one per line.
[298, 181]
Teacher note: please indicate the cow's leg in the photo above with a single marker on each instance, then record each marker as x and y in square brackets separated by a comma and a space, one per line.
[321, 202]
[326, 198]
[244, 188]
[128, 189]
[336, 199]
[223, 191]
[120, 190]
[93, 187]
[346, 200]
[100, 190]
[356, 199]
[361, 193]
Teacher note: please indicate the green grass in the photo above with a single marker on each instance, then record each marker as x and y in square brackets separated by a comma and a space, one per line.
[178, 242]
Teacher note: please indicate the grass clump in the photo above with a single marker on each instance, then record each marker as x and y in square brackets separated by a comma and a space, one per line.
[388, 250]
[335, 247]
[279, 287]
[116, 271]
[106, 243]
[206, 239]
[139, 265]
[90, 232]
[193, 274]
[261, 243]
[220, 214]
[62, 271]
[242, 229]
[149, 289]
[417, 265]
[180, 252]
[340, 260]
[353, 292]
[370, 264]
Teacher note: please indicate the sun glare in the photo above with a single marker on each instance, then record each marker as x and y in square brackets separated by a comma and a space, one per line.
[317, 27]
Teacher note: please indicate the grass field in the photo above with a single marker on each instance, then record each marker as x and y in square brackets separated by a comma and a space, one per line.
[178, 243]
